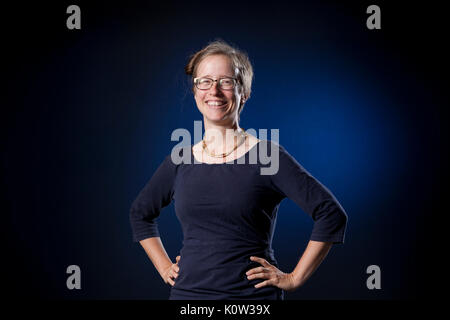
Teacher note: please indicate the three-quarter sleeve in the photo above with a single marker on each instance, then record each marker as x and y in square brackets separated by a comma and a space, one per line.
[156, 194]
[297, 184]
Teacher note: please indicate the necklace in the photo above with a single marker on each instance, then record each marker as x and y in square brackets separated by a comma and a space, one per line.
[225, 154]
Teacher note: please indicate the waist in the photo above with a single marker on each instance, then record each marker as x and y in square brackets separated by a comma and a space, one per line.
[208, 268]
[226, 251]
[234, 242]
[227, 243]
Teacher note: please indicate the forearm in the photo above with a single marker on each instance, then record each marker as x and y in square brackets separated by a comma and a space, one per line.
[157, 254]
[313, 256]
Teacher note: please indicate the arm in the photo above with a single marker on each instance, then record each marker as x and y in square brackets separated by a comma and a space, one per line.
[158, 255]
[330, 220]
[313, 256]
[157, 194]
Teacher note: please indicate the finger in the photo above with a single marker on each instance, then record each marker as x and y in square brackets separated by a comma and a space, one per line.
[255, 270]
[178, 258]
[176, 268]
[260, 275]
[171, 282]
[263, 284]
[173, 274]
[261, 261]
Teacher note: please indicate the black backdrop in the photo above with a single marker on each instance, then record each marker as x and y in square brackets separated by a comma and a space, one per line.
[87, 116]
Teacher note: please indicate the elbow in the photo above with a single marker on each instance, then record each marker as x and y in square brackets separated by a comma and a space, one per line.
[343, 217]
[330, 225]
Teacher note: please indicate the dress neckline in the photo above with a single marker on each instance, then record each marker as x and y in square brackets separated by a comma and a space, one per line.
[195, 161]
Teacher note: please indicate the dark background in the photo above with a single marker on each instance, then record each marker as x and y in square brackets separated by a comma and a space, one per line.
[87, 116]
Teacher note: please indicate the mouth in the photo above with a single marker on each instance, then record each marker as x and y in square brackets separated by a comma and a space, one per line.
[216, 104]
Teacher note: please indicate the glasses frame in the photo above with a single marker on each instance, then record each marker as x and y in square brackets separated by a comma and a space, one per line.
[235, 81]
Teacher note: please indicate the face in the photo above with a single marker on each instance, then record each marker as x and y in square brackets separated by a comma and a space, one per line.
[217, 105]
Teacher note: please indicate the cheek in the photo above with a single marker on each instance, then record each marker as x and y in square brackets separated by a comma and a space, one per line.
[198, 97]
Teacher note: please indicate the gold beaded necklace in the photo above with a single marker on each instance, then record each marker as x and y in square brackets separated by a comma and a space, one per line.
[225, 154]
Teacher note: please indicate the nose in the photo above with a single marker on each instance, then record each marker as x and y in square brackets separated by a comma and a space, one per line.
[214, 88]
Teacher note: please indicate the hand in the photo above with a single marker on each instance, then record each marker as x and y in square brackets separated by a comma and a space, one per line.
[273, 276]
[171, 272]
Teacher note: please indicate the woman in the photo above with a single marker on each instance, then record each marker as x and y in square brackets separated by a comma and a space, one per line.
[228, 210]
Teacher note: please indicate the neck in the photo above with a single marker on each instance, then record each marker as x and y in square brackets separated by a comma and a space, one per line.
[222, 137]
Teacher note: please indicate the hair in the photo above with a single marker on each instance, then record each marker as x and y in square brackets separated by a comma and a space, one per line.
[239, 61]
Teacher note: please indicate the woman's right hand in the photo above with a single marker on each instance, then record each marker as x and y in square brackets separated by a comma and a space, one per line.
[171, 272]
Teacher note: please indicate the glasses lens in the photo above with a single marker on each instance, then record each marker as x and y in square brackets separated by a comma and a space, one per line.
[204, 83]
[227, 83]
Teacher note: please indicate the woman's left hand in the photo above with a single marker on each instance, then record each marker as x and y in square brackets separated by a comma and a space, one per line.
[272, 275]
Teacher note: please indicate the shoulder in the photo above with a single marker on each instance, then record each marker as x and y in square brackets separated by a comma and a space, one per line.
[279, 156]
[272, 147]
[252, 140]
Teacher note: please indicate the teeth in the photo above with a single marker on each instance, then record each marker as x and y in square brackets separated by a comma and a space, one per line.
[215, 103]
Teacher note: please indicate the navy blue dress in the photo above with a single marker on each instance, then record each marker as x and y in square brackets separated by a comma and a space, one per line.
[227, 214]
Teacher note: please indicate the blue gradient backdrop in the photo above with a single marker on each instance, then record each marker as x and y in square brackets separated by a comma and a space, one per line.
[90, 114]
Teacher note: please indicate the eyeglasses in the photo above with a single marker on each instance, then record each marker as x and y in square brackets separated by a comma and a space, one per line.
[207, 83]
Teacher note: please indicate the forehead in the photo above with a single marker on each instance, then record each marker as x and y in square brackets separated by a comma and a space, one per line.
[215, 65]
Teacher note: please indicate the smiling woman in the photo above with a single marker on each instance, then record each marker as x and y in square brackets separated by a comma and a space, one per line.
[217, 99]
[228, 210]
[232, 64]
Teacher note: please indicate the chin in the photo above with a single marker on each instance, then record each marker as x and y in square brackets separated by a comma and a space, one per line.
[215, 115]
[218, 113]
[216, 118]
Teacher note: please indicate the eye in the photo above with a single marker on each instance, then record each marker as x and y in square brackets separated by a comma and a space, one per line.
[227, 83]
[204, 81]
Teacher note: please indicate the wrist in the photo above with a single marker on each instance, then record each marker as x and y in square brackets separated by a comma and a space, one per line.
[164, 269]
[297, 279]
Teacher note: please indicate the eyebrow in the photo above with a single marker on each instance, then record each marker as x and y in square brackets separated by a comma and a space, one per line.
[221, 76]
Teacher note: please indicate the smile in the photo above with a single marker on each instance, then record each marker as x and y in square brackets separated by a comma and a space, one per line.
[216, 104]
